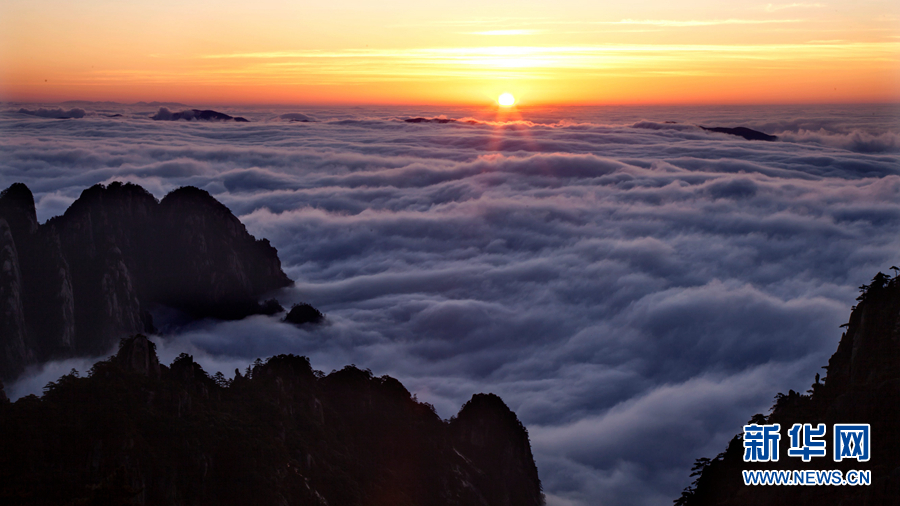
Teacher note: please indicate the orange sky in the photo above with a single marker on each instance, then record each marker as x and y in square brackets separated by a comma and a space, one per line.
[459, 52]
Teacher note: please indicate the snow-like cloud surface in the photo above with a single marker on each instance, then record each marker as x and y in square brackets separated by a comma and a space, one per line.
[634, 289]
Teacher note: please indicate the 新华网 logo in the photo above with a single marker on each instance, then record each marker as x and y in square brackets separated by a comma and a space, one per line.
[851, 441]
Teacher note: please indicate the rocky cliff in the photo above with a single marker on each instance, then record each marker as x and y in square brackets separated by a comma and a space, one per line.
[494, 440]
[862, 386]
[137, 432]
[83, 280]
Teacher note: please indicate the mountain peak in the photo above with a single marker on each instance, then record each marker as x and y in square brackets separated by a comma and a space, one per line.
[17, 208]
[138, 354]
[83, 280]
[492, 437]
[282, 434]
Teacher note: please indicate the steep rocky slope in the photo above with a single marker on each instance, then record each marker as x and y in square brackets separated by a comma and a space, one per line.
[137, 432]
[862, 386]
[83, 280]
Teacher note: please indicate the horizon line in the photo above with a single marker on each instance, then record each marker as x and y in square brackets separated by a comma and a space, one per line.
[447, 104]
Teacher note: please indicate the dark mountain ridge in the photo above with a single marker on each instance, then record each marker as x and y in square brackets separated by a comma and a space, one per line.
[57, 113]
[164, 114]
[83, 280]
[862, 386]
[135, 432]
[747, 133]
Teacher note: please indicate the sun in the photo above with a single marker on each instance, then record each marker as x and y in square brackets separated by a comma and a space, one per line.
[506, 100]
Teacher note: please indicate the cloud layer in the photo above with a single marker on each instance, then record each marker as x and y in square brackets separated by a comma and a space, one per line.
[633, 289]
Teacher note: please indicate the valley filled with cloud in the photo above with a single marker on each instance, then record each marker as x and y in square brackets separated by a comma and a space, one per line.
[633, 286]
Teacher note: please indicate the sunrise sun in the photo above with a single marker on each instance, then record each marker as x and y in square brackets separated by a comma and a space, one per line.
[506, 100]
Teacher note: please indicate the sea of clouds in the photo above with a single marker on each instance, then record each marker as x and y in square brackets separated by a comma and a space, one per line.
[634, 289]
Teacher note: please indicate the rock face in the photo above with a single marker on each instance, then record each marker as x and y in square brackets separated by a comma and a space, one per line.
[83, 280]
[862, 386]
[138, 354]
[211, 265]
[15, 351]
[280, 434]
[29, 315]
[495, 441]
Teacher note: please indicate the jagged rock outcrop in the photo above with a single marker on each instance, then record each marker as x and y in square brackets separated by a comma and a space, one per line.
[106, 236]
[301, 314]
[218, 268]
[17, 221]
[280, 434]
[83, 280]
[17, 208]
[491, 436]
[862, 386]
[138, 354]
[45, 285]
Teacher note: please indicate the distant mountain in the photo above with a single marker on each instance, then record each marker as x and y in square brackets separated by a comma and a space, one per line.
[57, 113]
[430, 120]
[83, 280]
[108, 103]
[296, 117]
[441, 120]
[165, 114]
[747, 133]
[862, 386]
[135, 432]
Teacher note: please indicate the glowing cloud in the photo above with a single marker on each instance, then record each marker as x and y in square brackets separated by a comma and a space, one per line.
[568, 52]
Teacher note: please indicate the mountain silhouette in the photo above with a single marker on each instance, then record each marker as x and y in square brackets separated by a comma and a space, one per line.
[80, 282]
[862, 386]
[58, 113]
[164, 114]
[136, 432]
[747, 133]
[430, 120]
[303, 313]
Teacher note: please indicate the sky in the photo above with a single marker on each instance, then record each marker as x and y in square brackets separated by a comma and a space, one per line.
[634, 289]
[460, 52]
